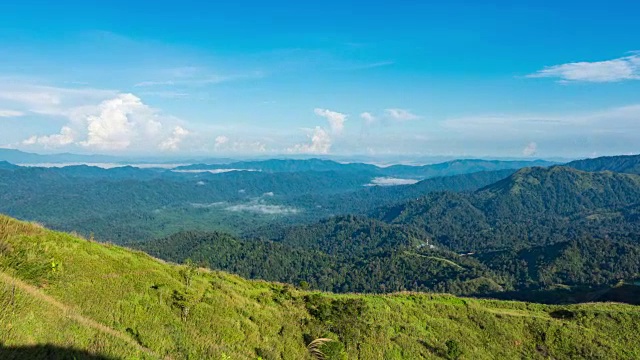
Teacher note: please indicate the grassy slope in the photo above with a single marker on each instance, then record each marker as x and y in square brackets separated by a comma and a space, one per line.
[131, 294]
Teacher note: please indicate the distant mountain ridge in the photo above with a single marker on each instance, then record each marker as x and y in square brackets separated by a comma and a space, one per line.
[623, 164]
[20, 157]
[455, 167]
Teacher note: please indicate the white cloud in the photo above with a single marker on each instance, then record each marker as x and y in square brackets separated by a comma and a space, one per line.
[10, 113]
[320, 143]
[33, 97]
[336, 120]
[368, 118]
[221, 140]
[389, 181]
[172, 143]
[243, 144]
[121, 121]
[48, 100]
[624, 68]
[65, 137]
[321, 138]
[530, 150]
[263, 209]
[248, 147]
[400, 115]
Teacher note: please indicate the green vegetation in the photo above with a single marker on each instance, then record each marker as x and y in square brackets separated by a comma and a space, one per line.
[127, 204]
[342, 254]
[533, 207]
[624, 164]
[109, 301]
[533, 231]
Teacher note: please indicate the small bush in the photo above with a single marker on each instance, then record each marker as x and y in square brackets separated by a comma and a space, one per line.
[454, 350]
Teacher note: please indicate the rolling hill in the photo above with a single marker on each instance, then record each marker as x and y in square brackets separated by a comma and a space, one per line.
[64, 296]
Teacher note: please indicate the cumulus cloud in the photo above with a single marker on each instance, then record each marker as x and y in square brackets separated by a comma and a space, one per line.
[10, 113]
[320, 137]
[368, 118]
[320, 143]
[336, 120]
[400, 114]
[65, 137]
[121, 122]
[172, 143]
[620, 69]
[530, 150]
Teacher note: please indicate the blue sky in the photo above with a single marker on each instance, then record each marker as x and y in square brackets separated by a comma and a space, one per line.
[457, 78]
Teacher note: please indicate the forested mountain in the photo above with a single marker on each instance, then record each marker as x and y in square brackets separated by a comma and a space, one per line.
[128, 203]
[534, 206]
[7, 166]
[365, 200]
[531, 231]
[572, 263]
[85, 203]
[344, 254]
[623, 164]
[88, 300]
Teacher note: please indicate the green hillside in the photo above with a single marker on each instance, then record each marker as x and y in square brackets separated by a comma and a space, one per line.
[623, 164]
[534, 206]
[64, 296]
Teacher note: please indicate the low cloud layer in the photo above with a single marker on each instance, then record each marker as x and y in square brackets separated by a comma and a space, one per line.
[320, 143]
[263, 209]
[389, 181]
[255, 206]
